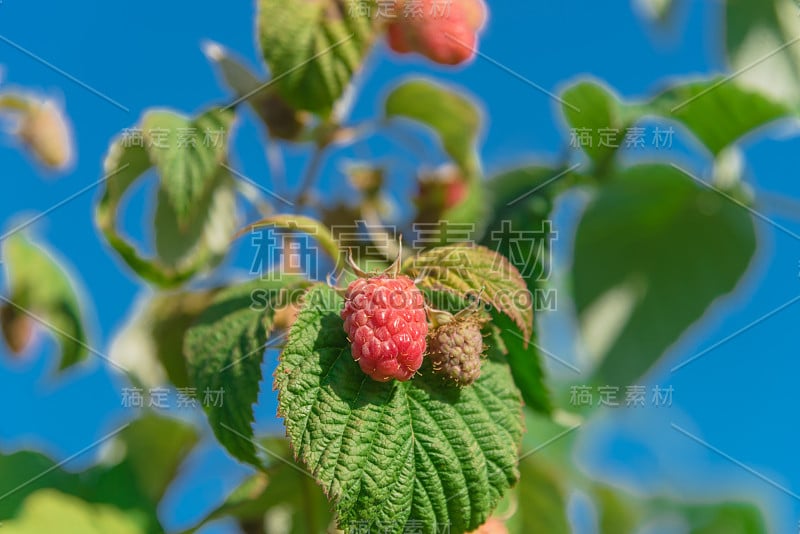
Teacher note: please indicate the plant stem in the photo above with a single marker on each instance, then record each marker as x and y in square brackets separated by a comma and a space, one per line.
[14, 102]
[309, 177]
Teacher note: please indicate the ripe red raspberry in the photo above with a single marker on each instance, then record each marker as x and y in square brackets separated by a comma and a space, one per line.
[384, 318]
[444, 32]
[456, 350]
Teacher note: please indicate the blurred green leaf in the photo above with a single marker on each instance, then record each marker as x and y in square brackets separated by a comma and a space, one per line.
[150, 345]
[522, 201]
[155, 447]
[187, 242]
[144, 459]
[454, 117]
[761, 40]
[446, 195]
[542, 500]
[616, 512]
[207, 231]
[652, 252]
[593, 112]
[730, 518]
[39, 289]
[225, 348]
[282, 120]
[187, 154]
[313, 49]
[717, 111]
[525, 362]
[51, 511]
[285, 488]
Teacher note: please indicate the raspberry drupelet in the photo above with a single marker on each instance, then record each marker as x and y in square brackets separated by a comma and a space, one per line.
[384, 317]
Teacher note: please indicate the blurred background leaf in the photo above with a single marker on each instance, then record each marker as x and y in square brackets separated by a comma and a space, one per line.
[40, 291]
[652, 252]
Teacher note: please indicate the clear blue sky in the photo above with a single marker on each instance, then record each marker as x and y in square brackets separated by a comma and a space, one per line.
[740, 397]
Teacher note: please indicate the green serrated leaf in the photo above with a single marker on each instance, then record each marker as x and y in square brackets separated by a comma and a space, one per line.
[187, 153]
[395, 454]
[652, 252]
[40, 290]
[224, 350]
[476, 270]
[455, 118]
[313, 48]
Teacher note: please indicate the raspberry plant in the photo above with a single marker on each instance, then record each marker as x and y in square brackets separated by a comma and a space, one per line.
[413, 394]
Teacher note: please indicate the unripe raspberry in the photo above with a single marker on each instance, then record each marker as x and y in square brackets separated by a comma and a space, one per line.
[444, 32]
[456, 349]
[17, 328]
[440, 191]
[46, 132]
[384, 318]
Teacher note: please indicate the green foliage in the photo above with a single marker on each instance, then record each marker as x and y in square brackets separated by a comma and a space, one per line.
[155, 447]
[590, 106]
[642, 274]
[525, 362]
[761, 38]
[51, 511]
[224, 350]
[40, 290]
[150, 346]
[148, 453]
[731, 518]
[282, 121]
[616, 513]
[475, 271]
[542, 499]
[196, 208]
[186, 159]
[284, 488]
[455, 118]
[313, 49]
[654, 250]
[718, 112]
[390, 454]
